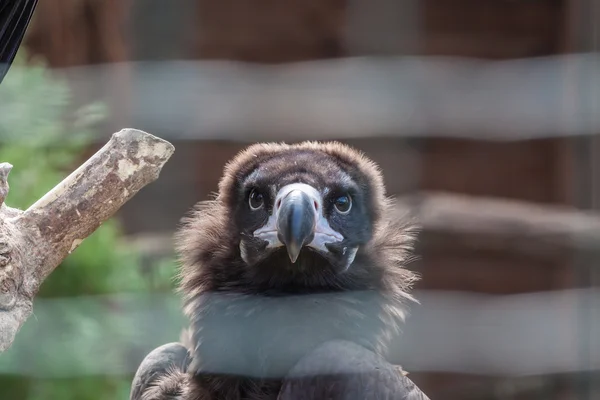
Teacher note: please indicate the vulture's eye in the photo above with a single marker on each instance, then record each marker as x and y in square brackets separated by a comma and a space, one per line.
[343, 204]
[256, 199]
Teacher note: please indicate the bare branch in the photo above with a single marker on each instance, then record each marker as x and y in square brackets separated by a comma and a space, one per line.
[4, 171]
[34, 242]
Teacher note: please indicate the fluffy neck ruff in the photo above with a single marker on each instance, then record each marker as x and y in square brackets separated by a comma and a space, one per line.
[244, 323]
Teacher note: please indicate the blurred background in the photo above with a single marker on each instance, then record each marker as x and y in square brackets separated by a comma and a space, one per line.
[484, 115]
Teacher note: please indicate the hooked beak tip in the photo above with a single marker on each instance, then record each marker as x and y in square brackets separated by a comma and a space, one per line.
[293, 256]
[296, 222]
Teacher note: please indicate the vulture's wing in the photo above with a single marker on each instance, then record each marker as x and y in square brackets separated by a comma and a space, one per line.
[343, 370]
[14, 19]
[160, 375]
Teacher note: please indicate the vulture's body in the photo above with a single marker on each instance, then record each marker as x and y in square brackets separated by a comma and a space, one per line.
[294, 281]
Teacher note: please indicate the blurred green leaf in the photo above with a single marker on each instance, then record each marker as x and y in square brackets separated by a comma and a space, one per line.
[44, 138]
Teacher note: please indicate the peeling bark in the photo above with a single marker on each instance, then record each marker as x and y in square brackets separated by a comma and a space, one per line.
[35, 241]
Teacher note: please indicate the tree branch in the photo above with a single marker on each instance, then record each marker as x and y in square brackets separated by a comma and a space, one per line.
[34, 242]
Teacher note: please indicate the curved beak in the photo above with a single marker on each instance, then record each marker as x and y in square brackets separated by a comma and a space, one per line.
[296, 221]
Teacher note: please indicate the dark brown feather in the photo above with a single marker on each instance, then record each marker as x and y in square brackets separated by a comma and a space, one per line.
[248, 328]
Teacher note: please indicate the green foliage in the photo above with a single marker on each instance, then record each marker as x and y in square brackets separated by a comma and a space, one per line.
[34, 134]
[44, 138]
[79, 389]
[44, 141]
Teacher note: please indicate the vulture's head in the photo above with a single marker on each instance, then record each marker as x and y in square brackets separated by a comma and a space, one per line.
[296, 216]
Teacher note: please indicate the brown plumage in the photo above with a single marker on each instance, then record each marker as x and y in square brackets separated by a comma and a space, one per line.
[297, 258]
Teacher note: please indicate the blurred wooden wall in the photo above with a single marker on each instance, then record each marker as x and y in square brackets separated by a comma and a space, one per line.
[79, 32]
[76, 33]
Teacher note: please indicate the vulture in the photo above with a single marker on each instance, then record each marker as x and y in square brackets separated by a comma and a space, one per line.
[294, 283]
[14, 20]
